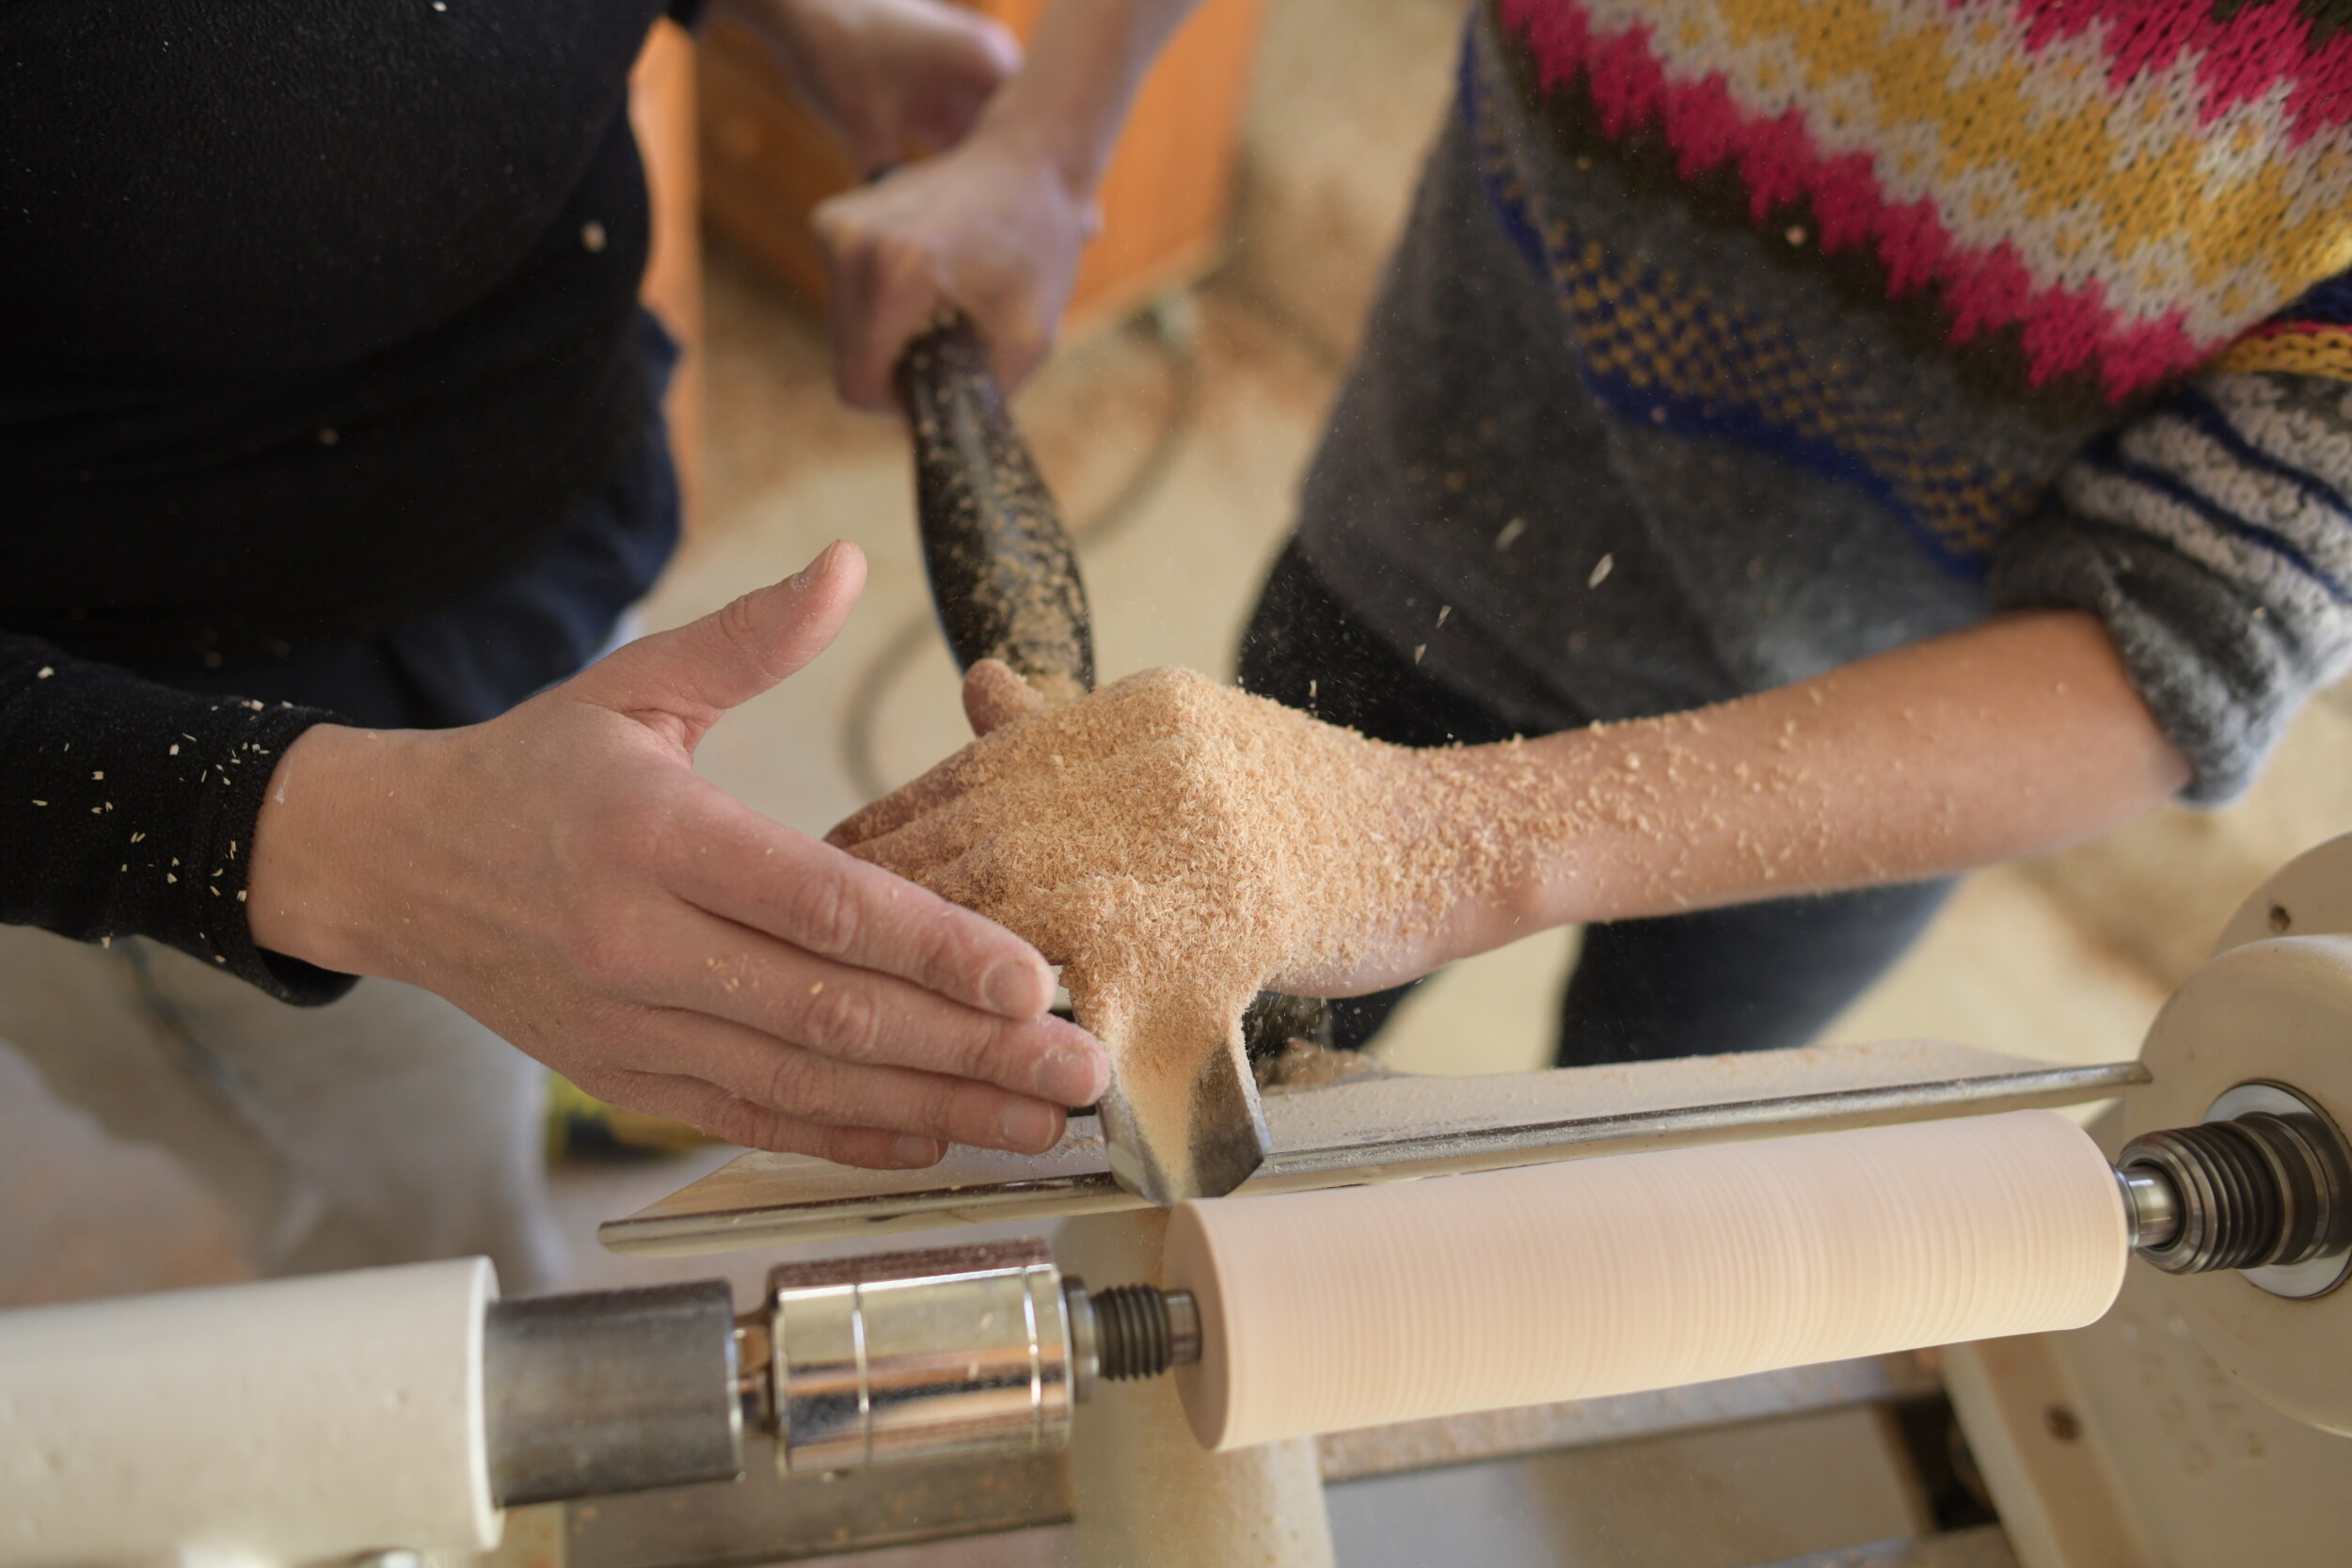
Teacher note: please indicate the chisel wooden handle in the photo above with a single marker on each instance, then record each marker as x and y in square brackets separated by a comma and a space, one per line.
[1005, 579]
[1003, 573]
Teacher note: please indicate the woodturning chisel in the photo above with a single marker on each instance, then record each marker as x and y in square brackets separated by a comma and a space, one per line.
[1004, 577]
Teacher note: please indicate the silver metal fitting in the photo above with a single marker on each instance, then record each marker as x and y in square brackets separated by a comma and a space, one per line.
[1183, 1329]
[955, 1352]
[2264, 1186]
[1086, 1339]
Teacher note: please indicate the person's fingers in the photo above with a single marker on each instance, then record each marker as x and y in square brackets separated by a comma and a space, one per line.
[758, 874]
[922, 847]
[885, 292]
[711, 1109]
[1016, 345]
[1035, 907]
[944, 782]
[816, 1089]
[993, 696]
[850, 288]
[999, 293]
[693, 674]
[991, 50]
[859, 1016]
[976, 881]
[957, 826]
[1015, 298]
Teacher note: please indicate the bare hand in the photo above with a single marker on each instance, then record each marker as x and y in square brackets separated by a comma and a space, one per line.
[896, 79]
[991, 229]
[1168, 815]
[562, 875]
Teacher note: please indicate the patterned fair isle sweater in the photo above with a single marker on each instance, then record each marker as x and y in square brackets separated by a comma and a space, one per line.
[1734, 340]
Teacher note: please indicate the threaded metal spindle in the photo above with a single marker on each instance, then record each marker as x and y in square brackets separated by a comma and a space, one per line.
[1132, 1320]
[2233, 1210]
[1142, 1331]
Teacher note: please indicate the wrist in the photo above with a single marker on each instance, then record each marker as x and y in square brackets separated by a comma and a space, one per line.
[1532, 856]
[308, 847]
[1029, 128]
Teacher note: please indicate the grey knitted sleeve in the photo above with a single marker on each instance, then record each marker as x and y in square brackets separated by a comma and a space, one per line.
[2213, 534]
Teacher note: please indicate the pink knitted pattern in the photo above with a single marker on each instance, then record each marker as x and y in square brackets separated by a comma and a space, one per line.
[2262, 46]
[2063, 330]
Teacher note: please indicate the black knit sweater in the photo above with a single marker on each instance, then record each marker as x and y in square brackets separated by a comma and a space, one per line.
[315, 318]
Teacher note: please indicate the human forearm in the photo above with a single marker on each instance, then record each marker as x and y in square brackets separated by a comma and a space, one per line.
[1067, 102]
[2009, 739]
[1324, 864]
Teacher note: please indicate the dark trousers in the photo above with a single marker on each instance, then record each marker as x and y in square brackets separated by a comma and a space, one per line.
[1751, 978]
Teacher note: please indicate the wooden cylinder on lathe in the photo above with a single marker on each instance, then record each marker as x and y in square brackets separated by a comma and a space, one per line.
[1147, 1495]
[1361, 1306]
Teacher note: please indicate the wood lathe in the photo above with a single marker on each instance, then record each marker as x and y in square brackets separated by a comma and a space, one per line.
[312, 1419]
[1354, 1275]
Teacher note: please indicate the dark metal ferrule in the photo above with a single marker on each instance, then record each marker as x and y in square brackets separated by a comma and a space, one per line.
[611, 1391]
[2263, 1184]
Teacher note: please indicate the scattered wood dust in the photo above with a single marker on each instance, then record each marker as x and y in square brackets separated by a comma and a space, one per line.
[1176, 845]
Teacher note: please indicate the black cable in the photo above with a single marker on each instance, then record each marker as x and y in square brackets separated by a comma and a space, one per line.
[1172, 325]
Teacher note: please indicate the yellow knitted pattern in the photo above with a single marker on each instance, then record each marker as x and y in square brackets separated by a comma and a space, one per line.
[1660, 349]
[2126, 190]
[2325, 351]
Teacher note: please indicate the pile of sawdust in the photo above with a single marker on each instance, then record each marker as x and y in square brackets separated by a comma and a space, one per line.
[1178, 844]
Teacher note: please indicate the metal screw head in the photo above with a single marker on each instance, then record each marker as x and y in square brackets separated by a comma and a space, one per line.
[2280, 920]
[2061, 1423]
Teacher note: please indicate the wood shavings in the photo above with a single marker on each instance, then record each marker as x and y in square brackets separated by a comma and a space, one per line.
[1177, 844]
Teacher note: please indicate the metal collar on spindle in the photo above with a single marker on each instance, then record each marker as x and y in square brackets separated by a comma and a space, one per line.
[2264, 1186]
